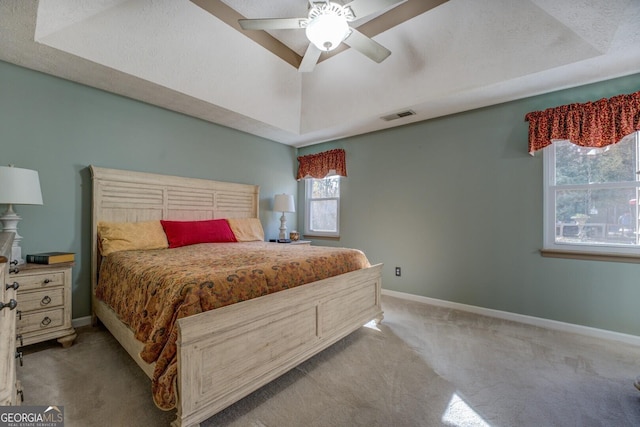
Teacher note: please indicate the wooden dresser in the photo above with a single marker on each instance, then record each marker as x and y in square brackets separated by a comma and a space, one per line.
[9, 387]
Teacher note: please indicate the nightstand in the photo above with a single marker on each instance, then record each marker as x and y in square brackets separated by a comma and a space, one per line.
[44, 297]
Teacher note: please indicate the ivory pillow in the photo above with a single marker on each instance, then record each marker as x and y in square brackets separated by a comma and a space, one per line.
[128, 236]
[246, 229]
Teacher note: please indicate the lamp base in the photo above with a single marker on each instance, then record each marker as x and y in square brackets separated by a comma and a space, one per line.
[16, 255]
[283, 227]
[9, 222]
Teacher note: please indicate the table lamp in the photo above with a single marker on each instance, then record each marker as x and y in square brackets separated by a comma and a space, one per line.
[283, 203]
[17, 187]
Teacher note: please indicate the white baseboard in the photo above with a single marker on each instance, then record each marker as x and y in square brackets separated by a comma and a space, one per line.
[81, 321]
[522, 318]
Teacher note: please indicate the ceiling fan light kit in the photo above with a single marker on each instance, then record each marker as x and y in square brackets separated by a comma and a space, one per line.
[327, 26]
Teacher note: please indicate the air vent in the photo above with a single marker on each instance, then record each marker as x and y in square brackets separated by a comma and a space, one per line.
[399, 115]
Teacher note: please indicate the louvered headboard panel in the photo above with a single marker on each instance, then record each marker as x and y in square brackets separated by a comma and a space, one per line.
[126, 196]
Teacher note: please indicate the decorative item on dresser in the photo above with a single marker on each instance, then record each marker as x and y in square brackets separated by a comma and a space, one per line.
[44, 292]
[19, 187]
[51, 257]
[9, 386]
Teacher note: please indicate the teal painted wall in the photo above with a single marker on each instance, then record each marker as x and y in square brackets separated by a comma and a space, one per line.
[59, 128]
[457, 203]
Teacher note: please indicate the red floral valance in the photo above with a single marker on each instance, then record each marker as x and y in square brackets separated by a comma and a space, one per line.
[592, 124]
[322, 164]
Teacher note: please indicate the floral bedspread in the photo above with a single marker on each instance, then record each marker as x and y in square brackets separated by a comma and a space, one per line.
[149, 290]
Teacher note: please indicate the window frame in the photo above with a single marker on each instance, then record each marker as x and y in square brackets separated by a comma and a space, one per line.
[308, 191]
[549, 208]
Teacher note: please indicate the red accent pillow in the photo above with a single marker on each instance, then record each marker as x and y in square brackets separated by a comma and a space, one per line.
[183, 233]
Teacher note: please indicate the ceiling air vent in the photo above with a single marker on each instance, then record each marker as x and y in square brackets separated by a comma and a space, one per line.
[399, 115]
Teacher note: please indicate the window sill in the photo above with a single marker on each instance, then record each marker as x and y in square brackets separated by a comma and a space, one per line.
[322, 236]
[590, 256]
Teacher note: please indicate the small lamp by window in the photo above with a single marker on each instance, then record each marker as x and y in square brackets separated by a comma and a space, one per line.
[17, 187]
[283, 203]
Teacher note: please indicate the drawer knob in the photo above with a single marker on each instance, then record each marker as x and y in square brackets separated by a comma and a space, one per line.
[46, 321]
[14, 285]
[46, 300]
[19, 356]
[11, 304]
[47, 281]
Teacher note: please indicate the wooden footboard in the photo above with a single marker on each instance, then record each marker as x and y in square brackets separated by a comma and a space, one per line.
[221, 359]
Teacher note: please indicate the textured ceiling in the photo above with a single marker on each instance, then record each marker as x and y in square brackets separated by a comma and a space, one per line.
[461, 55]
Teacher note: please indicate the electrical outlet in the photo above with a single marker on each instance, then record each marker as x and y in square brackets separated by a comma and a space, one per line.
[398, 272]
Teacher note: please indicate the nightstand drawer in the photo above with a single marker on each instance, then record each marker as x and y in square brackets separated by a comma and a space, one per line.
[40, 320]
[40, 280]
[45, 298]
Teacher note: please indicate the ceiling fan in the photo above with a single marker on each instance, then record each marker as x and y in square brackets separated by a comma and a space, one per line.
[327, 26]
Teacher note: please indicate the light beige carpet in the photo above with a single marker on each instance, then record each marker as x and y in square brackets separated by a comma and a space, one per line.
[425, 366]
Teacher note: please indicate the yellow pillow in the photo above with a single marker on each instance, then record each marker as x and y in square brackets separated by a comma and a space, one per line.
[127, 236]
[246, 229]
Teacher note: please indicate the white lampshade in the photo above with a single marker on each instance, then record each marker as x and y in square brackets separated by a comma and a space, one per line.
[19, 186]
[327, 31]
[284, 203]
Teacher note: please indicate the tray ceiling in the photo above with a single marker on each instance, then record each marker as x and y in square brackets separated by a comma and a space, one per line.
[459, 55]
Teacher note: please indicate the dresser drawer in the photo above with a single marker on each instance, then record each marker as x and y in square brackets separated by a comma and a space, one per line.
[39, 280]
[45, 298]
[40, 320]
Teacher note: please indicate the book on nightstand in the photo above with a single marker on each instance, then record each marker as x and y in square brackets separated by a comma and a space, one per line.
[51, 257]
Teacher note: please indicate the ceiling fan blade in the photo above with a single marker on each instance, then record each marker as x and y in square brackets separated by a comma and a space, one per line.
[367, 46]
[361, 8]
[272, 24]
[310, 59]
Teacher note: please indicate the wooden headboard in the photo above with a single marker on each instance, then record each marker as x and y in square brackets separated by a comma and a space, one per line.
[126, 196]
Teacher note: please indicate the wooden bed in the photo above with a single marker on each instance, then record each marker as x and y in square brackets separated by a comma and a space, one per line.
[227, 353]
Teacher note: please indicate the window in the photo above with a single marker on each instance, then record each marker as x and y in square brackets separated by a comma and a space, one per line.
[322, 207]
[591, 197]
